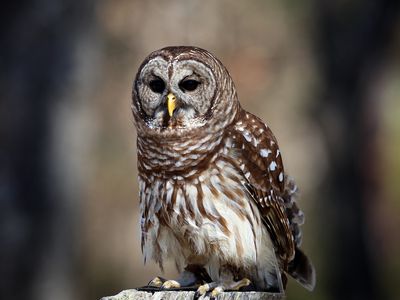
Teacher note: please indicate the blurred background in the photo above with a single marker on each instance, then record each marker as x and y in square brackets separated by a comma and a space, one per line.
[324, 75]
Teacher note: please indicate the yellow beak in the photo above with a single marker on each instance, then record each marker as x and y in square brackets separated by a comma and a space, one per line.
[171, 103]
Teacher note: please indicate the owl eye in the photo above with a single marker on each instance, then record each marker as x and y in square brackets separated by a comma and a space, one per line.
[189, 85]
[157, 85]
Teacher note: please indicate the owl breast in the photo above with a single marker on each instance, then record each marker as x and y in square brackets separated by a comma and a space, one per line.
[208, 220]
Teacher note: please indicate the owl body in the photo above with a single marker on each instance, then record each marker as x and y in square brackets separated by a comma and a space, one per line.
[223, 237]
[213, 192]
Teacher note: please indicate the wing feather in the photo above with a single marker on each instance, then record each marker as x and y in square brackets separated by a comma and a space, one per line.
[261, 163]
[274, 194]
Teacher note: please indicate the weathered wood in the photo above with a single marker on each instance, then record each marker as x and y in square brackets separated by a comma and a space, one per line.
[180, 295]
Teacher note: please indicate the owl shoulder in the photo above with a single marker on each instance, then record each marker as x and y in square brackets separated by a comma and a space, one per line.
[258, 150]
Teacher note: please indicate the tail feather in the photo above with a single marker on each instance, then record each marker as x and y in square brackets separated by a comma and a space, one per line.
[302, 270]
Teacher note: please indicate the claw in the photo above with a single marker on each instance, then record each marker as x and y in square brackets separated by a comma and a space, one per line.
[239, 284]
[156, 282]
[202, 290]
[217, 288]
[217, 291]
[191, 277]
[171, 284]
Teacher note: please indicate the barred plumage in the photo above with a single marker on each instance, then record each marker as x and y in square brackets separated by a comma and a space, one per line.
[213, 191]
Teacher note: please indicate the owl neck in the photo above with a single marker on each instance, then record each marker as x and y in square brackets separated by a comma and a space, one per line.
[180, 156]
[186, 153]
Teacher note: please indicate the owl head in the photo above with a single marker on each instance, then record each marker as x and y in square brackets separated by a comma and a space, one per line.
[182, 89]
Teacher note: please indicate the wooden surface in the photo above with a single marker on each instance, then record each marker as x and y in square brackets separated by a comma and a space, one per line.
[178, 295]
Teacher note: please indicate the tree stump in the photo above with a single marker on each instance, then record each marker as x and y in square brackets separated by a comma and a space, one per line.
[181, 295]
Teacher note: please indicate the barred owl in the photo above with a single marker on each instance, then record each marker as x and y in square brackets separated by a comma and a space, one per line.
[214, 196]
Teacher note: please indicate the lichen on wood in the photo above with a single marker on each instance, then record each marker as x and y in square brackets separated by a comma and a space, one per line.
[180, 295]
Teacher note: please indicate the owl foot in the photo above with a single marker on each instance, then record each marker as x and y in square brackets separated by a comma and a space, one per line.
[162, 283]
[217, 288]
[171, 284]
[157, 282]
[192, 277]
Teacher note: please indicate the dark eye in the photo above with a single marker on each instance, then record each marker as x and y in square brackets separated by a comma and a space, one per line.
[157, 85]
[189, 85]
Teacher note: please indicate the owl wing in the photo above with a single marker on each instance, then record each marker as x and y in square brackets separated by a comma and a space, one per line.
[260, 161]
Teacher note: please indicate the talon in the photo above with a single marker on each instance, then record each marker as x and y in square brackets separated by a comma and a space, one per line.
[171, 284]
[197, 295]
[156, 282]
[241, 283]
[202, 290]
[218, 290]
